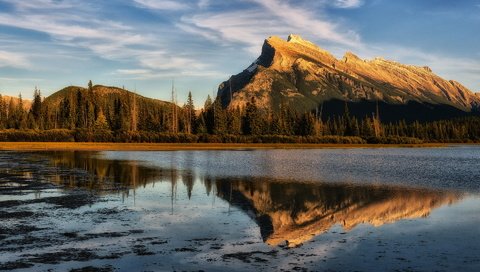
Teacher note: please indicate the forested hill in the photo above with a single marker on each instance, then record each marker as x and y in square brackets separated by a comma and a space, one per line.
[99, 107]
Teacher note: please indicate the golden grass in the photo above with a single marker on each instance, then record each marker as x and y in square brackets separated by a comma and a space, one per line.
[183, 146]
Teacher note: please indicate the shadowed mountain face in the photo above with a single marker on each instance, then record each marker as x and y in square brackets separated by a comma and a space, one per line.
[304, 76]
[297, 212]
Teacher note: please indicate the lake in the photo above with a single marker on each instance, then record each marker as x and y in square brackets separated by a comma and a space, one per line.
[372, 209]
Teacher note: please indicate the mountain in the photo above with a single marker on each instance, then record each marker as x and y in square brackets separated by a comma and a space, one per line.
[301, 74]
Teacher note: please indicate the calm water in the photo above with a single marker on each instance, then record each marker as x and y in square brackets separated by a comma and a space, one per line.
[339, 209]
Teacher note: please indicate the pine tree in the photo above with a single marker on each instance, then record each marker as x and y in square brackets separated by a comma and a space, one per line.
[220, 120]
[21, 116]
[80, 110]
[190, 114]
[234, 121]
[36, 109]
[307, 124]
[118, 114]
[3, 113]
[251, 119]
[11, 114]
[101, 122]
[67, 114]
[201, 127]
[90, 86]
[209, 115]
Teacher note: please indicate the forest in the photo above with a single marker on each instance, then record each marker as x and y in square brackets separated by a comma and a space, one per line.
[86, 115]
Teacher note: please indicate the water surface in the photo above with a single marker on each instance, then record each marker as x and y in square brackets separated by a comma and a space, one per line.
[340, 209]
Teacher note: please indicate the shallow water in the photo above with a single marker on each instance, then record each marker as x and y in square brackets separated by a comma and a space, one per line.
[339, 209]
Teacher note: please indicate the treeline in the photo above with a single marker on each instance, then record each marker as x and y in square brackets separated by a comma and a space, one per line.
[86, 115]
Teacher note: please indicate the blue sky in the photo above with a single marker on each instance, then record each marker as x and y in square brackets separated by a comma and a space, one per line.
[143, 44]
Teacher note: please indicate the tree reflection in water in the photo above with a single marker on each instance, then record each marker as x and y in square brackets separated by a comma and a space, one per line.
[285, 210]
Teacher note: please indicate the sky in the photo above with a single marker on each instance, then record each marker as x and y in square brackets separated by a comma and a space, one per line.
[143, 45]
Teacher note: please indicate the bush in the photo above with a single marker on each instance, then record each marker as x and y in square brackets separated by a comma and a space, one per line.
[30, 135]
[394, 140]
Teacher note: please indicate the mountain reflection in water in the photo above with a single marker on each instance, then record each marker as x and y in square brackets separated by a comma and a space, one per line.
[285, 210]
[296, 212]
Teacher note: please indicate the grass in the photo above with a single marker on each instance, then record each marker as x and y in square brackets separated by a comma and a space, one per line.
[31, 146]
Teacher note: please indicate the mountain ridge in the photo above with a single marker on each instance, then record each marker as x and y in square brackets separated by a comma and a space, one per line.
[303, 75]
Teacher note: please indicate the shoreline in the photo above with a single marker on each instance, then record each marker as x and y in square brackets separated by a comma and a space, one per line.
[87, 146]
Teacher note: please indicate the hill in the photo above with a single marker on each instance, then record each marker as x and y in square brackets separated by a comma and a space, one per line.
[26, 102]
[78, 107]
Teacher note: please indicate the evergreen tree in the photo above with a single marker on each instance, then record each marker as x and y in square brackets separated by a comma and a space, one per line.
[219, 118]
[276, 125]
[11, 114]
[201, 127]
[190, 114]
[67, 115]
[21, 115]
[3, 113]
[36, 109]
[101, 122]
[251, 119]
[90, 86]
[80, 110]
[209, 115]
[234, 121]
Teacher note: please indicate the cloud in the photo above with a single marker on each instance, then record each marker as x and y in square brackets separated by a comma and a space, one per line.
[306, 21]
[40, 4]
[133, 71]
[145, 74]
[203, 3]
[75, 29]
[347, 3]
[233, 28]
[268, 17]
[161, 4]
[15, 60]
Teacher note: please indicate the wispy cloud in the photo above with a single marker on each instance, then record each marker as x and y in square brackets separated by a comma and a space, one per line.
[132, 71]
[347, 3]
[41, 4]
[162, 4]
[203, 3]
[162, 61]
[268, 17]
[315, 24]
[15, 60]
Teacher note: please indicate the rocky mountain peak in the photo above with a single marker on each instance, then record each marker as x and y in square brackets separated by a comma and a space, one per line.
[296, 39]
[297, 72]
[349, 56]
